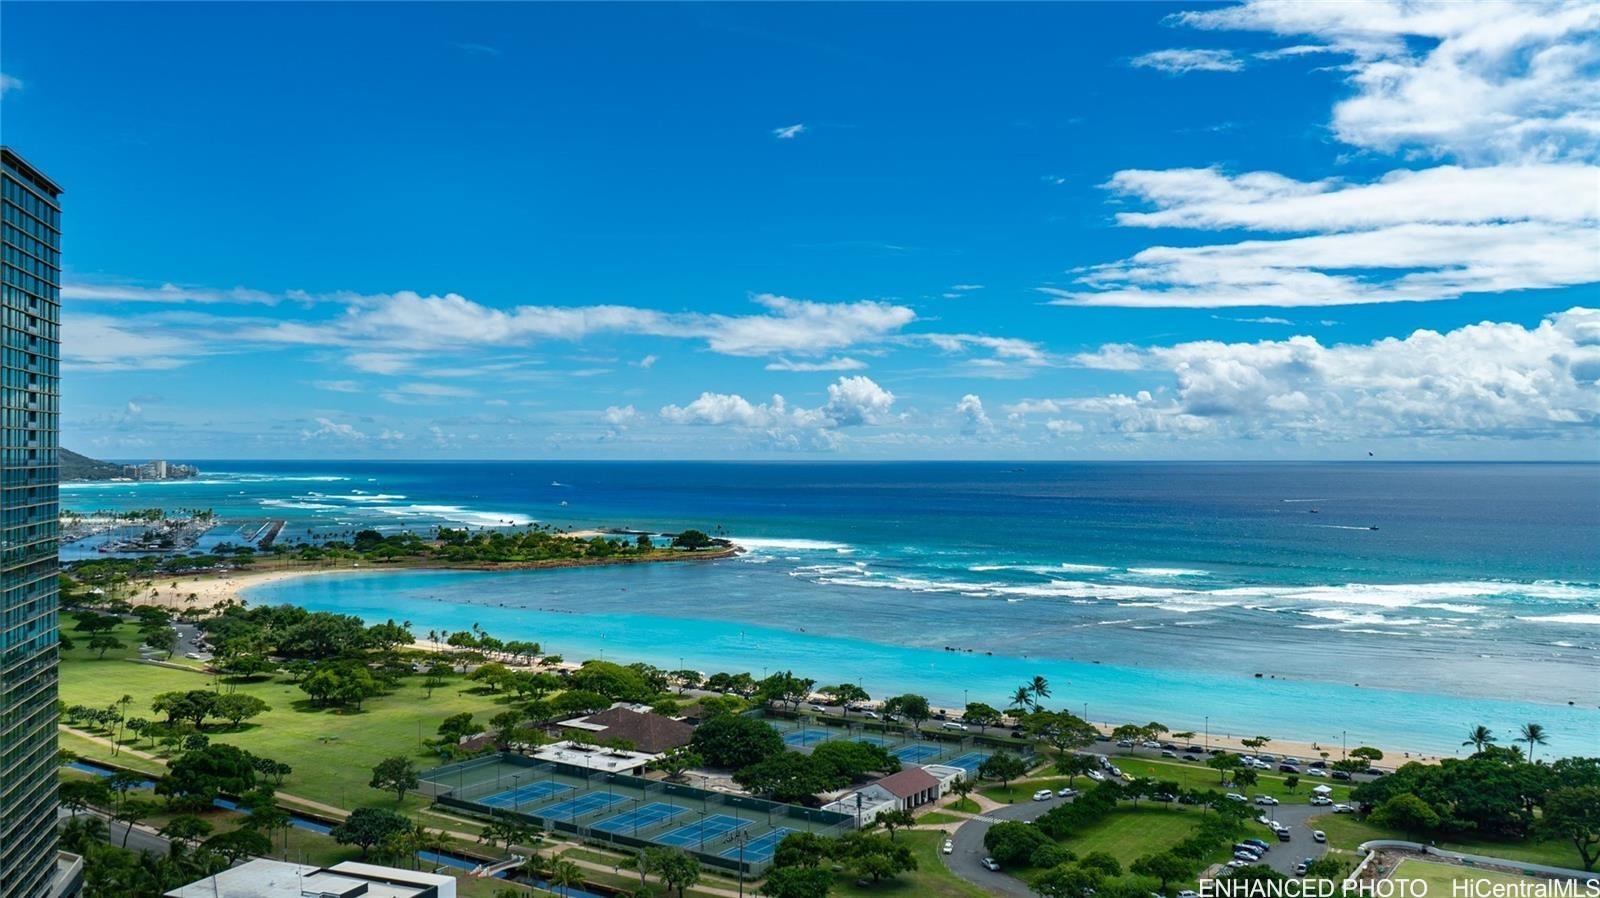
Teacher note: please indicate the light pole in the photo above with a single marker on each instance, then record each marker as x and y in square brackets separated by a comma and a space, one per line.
[1208, 734]
[742, 838]
[1344, 743]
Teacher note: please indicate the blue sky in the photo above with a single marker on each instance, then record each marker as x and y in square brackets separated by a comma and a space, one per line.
[875, 231]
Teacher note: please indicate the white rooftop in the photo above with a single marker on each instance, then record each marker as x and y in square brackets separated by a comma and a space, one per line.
[264, 878]
[591, 757]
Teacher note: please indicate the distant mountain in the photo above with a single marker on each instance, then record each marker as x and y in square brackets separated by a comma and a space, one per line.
[82, 467]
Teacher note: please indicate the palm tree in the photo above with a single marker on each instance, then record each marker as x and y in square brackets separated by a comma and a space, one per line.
[1534, 734]
[1021, 699]
[1040, 687]
[1479, 737]
[564, 875]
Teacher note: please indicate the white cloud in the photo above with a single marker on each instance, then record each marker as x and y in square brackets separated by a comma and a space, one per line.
[974, 418]
[337, 386]
[789, 132]
[378, 362]
[1184, 61]
[721, 408]
[101, 343]
[852, 402]
[9, 84]
[837, 363]
[1483, 81]
[1505, 90]
[858, 400]
[621, 416]
[167, 293]
[1207, 198]
[1483, 380]
[329, 429]
[647, 362]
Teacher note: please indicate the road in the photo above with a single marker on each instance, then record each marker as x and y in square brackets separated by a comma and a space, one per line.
[969, 850]
[140, 839]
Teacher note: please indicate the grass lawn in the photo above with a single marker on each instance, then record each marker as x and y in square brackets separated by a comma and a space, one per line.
[1347, 831]
[931, 879]
[332, 751]
[1439, 879]
[1195, 775]
[1129, 833]
[965, 805]
[936, 818]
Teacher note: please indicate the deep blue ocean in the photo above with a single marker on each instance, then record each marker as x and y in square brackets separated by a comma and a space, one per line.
[1383, 602]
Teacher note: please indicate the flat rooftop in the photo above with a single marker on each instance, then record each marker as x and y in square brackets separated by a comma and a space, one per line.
[264, 878]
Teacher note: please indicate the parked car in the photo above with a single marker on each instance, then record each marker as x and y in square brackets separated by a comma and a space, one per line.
[1096, 775]
[1319, 836]
[952, 725]
[1266, 800]
[1321, 801]
[1283, 834]
[1124, 744]
[1300, 868]
[1065, 792]
[1191, 757]
[1168, 753]
[1341, 774]
[1234, 796]
[1188, 893]
[1246, 856]
[1288, 768]
[1343, 809]
[1043, 795]
[949, 846]
[1151, 744]
[1236, 863]
[1259, 843]
[990, 864]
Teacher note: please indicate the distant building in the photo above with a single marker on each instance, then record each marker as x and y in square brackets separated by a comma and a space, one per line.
[645, 731]
[30, 280]
[262, 878]
[912, 787]
[592, 757]
[159, 469]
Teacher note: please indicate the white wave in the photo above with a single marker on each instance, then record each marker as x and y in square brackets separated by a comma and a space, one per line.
[1065, 567]
[358, 497]
[1167, 572]
[1345, 616]
[1452, 607]
[459, 515]
[755, 543]
[1574, 618]
[1305, 500]
[287, 503]
[1339, 527]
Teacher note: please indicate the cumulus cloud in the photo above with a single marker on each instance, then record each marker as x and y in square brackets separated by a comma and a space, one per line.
[1184, 61]
[337, 386]
[620, 416]
[1492, 379]
[328, 429]
[974, 418]
[1505, 92]
[852, 402]
[170, 293]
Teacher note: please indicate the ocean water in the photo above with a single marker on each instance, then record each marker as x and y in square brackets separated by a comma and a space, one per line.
[1400, 602]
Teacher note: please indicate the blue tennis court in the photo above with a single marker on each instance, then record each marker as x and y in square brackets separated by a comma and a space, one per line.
[795, 738]
[703, 830]
[573, 808]
[970, 762]
[639, 818]
[760, 849]
[872, 740]
[532, 792]
[916, 754]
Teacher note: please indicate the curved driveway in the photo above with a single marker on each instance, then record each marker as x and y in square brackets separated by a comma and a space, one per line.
[969, 850]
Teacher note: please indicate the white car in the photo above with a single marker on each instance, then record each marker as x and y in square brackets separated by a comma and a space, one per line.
[990, 864]
[1066, 792]
[1343, 809]
[1319, 836]
[1266, 800]
[952, 725]
[1234, 796]
[1188, 893]
[948, 847]
[1236, 864]
[1043, 795]
[1321, 801]
[872, 714]
[1151, 744]
[1096, 775]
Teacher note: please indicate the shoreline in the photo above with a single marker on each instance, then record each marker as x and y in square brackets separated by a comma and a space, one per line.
[213, 590]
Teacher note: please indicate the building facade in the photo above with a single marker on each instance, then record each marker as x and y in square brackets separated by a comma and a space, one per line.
[30, 278]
